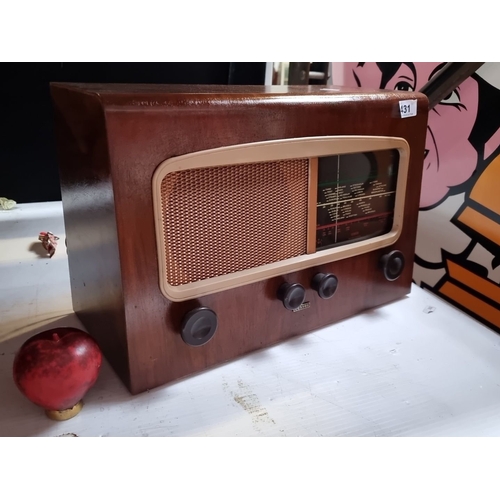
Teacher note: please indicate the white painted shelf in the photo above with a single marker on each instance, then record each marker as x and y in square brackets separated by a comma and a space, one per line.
[416, 367]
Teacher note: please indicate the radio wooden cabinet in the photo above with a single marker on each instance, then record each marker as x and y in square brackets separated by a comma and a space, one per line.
[206, 222]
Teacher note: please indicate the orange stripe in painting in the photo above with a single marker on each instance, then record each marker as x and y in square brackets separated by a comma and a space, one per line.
[468, 278]
[473, 304]
[481, 224]
[485, 191]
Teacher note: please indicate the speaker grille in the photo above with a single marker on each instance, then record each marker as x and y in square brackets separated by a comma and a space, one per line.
[224, 219]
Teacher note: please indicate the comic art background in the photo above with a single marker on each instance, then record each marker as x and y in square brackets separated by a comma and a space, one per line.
[458, 237]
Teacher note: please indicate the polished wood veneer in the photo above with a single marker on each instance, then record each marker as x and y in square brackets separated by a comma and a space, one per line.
[112, 138]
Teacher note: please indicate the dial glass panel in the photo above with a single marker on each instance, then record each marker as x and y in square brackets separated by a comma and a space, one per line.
[356, 197]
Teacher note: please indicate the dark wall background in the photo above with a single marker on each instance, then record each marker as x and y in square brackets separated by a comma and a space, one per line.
[28, 167]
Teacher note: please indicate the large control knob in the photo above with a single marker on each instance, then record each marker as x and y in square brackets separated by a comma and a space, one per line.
[392, 265]
[325, 284]
[292, 295]
[198, 326]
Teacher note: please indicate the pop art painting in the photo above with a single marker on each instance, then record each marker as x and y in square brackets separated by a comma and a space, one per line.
[458, 237]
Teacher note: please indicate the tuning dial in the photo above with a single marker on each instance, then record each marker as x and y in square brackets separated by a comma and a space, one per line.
[392, 265]
[292, 295]
[325, 284]
[198, 326]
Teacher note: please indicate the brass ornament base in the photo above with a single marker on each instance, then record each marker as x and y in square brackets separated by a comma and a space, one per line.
[64, 414]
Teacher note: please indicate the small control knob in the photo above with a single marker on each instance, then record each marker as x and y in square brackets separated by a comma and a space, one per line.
[198, 326]
[325, 284]
[292, 295]
[392, 265]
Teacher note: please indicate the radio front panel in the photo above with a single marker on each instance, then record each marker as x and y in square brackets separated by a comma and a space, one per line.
[236, 215]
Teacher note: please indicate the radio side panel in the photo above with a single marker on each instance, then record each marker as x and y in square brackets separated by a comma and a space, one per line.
[90, 221]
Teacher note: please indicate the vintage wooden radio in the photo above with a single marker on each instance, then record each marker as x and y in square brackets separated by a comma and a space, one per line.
[206, 222]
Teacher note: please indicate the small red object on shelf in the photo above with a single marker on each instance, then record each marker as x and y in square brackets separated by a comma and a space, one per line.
[55, 368]
[49, 242]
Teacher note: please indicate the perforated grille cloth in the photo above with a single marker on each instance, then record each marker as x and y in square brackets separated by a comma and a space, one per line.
[219, 220]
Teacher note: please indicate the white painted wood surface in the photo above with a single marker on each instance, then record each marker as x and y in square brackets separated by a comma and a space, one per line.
[416, 367]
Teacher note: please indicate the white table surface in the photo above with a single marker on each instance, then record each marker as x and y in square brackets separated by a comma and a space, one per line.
[416, 367]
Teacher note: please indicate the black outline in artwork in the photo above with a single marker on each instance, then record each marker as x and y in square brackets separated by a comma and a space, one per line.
[487, 123]
[447, 278]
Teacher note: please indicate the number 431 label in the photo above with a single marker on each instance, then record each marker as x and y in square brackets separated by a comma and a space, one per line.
[408, 108]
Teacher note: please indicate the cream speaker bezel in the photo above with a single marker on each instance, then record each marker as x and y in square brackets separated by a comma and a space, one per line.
[268, 151]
